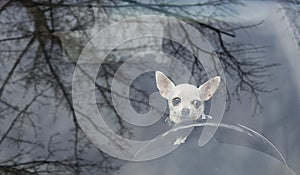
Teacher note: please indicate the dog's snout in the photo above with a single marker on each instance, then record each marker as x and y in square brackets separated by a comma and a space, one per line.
[185, 111]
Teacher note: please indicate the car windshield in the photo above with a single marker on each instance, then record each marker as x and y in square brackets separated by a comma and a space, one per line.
[149, 87]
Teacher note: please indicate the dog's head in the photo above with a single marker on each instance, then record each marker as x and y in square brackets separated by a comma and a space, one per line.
[185, 100]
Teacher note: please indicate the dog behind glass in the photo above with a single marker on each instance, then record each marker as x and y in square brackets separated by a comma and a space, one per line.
[186, 101]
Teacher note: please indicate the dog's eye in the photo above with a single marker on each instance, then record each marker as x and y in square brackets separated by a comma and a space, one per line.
[196, 103]
[176, 101]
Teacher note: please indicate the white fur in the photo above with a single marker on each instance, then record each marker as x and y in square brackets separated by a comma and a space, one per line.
[187, 93]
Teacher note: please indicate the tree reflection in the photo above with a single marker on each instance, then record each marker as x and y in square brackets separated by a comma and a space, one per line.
[39, 132]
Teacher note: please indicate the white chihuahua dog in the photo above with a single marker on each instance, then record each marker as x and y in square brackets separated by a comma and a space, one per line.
[186, 101]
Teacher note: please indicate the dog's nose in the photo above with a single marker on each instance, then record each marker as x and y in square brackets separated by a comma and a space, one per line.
[185, 111]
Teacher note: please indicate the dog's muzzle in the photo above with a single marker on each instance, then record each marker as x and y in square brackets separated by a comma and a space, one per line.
[185, 112]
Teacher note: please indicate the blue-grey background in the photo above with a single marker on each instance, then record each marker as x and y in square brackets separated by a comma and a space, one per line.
[38, 129]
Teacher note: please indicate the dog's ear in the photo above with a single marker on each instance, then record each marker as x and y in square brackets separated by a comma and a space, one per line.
[164, 84]
[208, 89]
